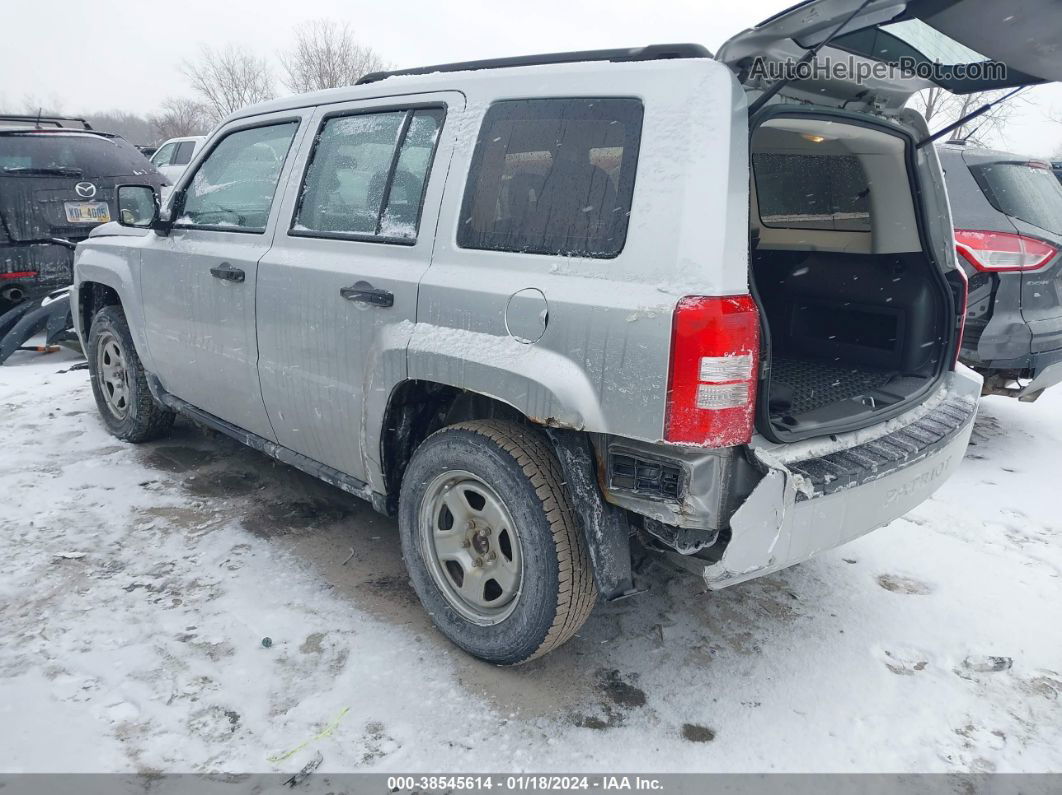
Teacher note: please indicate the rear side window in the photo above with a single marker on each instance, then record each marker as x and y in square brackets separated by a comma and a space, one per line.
[553, 176]
[812, 191]
[70, 154]
[233, 188]
[367, 175]
[1028, 193]
[182, 156]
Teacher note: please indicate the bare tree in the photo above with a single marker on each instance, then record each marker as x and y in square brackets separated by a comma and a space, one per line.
[326, 54]
[33, 105]
[134, 128]
[941, 108]
[228, 80]
[179, 117]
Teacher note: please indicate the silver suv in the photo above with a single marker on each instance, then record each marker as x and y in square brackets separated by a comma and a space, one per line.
[536, 308]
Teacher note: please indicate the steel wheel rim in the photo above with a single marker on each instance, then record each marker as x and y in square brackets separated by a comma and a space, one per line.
[471, 546]
[112, 374]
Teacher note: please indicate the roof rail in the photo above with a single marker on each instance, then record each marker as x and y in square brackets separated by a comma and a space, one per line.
[654, 52]
[42, 121]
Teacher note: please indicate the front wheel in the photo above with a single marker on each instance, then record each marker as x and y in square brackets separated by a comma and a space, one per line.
[119, 383]
[491, 542]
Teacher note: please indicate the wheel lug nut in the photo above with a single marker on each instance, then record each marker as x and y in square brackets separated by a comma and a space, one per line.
[470, 525]
[487, 531]
[493, 555]
[477, 562]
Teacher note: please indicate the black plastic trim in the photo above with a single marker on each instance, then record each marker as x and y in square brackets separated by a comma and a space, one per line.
[871, 460]
[285, 455]
[604, 526]
[654, 52]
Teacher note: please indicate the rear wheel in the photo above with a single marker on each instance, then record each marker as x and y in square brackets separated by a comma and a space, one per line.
[491, 543]
[119, 383]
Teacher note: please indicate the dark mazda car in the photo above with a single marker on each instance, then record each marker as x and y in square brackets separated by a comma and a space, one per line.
[57, 181]
[1007, 212]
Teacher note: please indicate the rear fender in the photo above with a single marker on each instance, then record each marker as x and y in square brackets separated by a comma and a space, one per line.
[543, 385]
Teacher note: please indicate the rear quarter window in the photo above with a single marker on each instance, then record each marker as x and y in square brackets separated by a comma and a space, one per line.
[1026, 192]
[553, 176]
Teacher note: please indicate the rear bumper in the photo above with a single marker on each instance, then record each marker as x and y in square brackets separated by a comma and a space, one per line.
[1037, 372]
[1046, 371]
[51, 266]
[823, 493]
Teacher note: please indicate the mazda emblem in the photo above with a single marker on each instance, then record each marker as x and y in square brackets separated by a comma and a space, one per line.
[85, 190]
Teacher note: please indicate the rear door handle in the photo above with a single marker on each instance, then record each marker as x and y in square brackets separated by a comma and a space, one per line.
[365, 293]
[226, 272]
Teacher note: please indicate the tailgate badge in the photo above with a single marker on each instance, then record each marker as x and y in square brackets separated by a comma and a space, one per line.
[85, 190]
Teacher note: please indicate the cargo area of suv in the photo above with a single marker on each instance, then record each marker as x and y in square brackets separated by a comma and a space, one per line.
[853, 309]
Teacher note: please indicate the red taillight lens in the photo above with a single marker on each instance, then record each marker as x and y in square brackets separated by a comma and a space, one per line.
[715, 352]
[18, 275]
[1002, 251]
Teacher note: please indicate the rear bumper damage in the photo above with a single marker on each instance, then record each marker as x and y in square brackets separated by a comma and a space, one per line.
[1025, 378]
[824, 493]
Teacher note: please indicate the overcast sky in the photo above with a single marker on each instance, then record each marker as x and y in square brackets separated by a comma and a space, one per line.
[125, 54]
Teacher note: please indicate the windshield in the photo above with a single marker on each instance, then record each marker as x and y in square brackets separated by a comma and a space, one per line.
[88, 156]
[1030, 193]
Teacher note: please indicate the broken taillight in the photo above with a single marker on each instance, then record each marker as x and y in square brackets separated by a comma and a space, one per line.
[715, 351]
[999, 252]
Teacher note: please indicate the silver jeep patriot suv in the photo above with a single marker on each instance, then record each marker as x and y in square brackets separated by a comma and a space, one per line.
[537, 307]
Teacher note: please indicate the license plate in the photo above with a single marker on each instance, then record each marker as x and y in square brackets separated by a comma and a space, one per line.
[87, 212]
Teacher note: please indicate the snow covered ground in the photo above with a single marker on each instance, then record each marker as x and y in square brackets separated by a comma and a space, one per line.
[137, 585]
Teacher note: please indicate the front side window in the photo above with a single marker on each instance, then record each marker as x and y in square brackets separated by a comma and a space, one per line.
[367, 175]
[812, 191]
[164, 155]
[233, 188]
[553, 176]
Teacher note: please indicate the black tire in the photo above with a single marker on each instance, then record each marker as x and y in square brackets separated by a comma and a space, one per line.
[556, 592]
[142, 419]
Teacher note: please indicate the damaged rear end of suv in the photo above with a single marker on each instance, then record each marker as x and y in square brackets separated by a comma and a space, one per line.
[58, 178]
[581, 298]
[851, 402]
[57, 183]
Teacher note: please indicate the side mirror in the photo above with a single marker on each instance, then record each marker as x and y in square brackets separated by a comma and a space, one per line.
[138, 206]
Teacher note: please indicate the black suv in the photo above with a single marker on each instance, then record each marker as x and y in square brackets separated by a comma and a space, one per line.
[57, 180]
[1007, 211]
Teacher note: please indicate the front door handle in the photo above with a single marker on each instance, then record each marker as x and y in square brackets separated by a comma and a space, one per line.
[367, 294]
[226, 272]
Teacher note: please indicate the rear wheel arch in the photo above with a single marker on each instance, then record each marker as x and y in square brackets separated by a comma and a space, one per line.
[415, 410]
[512, 465]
